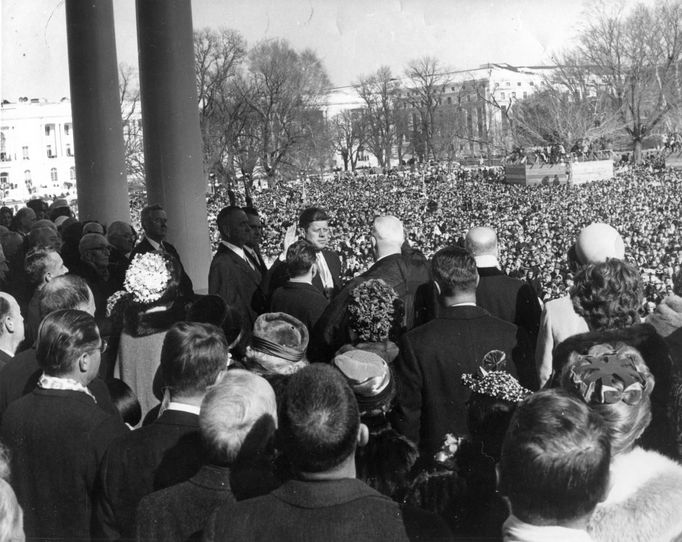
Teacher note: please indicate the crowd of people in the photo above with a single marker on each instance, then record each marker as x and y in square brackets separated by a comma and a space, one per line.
[423, 354]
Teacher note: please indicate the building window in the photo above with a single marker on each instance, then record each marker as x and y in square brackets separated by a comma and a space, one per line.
[513, 94]
[47, 129]
[502, 95]
[525, 94]
[27, 175]
[508, 83]
[67, 129]
[69, 152]
[72, 173]
[53, 175]
[50, 154]
[518, 84]
[24, 152]
[449, 99]
[532, 84]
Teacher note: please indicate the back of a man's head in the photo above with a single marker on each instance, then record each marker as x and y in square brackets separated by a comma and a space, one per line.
[454, 270]
[301, 256]
[319, 419]
[65, 292]
[238, 417]
[192, 357]
[555, 459]
[481, 241]
[597, 243]
[388, 232]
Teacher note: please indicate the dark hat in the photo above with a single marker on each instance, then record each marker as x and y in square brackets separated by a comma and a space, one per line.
[59, 202]
[369, 377]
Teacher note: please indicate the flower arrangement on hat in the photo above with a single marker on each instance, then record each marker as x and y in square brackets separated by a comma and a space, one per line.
[149, 280]
[375, 311]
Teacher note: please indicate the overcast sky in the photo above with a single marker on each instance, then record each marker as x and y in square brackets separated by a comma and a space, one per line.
[353, 37]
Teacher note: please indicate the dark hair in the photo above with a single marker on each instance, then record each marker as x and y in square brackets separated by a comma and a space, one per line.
[319, 419]
[65, 292]
[225, 212]
[211, 309]
[454, 268]
[608, 294]
[192, 356]
[38, 205]
[300, 258]
[488, 419]
[148, 210]
[251, 211]
[310, 215]
[63, 336]
[5, 308]
[555, 458]
[125, 401]
[35, 263]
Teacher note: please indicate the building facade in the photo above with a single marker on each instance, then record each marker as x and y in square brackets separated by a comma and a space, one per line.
[36, 150]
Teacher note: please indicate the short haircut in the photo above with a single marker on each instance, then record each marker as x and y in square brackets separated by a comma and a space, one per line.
[65, 292]
[192, 356]
[36, 263]
[225, 212]
[608, 294]
[625, 422]
[319, 419]
[63, 336]
[454, 269]
[555, 459]
[146, 212]
[251, 211]
[125, 401]
[300, 258]
[310, 215]
[240, 404]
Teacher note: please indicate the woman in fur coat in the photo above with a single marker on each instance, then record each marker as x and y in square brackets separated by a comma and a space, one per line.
[645, 495]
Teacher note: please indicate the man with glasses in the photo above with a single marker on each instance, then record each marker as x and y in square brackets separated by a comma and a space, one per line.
[57, 435]
[122, 238]
[93, 266]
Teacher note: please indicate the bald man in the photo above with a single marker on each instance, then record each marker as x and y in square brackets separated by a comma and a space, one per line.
[11, 328]
[407, 274]
[507, 298]
[596, 243]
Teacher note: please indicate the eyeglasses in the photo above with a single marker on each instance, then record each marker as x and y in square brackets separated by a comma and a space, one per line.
[102, 347]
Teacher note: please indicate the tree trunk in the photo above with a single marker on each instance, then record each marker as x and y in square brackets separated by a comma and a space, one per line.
[637, 151]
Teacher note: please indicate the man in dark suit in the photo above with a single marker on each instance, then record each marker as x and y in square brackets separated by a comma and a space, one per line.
[21, 374]
[154, 223]
[121, 237]
[57, 435]
[320, 429]
[401, 269]
[313, 226]
[237, 423]
[168, 451]
[252, 246]
[509, 299]
[298, 297]
[93, 266]
[431, 399]
[232, 275]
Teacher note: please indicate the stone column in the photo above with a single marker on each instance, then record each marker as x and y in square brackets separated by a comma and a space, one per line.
[96, 112]
[172, 138]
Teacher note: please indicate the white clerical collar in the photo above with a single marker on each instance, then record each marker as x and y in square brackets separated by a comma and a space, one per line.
[182, 407]
[465, 304]
[239, 251]
[487, 261]
[154, 244]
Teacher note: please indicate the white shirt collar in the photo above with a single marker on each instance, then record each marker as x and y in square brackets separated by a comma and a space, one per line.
[48, 382]
[515, 530]
[487, 260]
[465, 304]
[182, 407]
[239, 251]
[154, 244]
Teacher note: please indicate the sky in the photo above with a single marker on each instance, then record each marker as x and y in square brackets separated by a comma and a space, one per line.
[352, 37]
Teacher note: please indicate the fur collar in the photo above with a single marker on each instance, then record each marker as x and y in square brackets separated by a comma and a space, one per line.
[140, 324]
[668, 315]
[644, 501]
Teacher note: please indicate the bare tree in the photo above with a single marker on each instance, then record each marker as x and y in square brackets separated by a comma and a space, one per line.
[379, 91]
[428, 81]
[348, 136]
[133, 148]
[636, 55]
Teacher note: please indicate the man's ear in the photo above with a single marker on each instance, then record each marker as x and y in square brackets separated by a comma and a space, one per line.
[9, 323]
[363, 435]
[84, 362]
